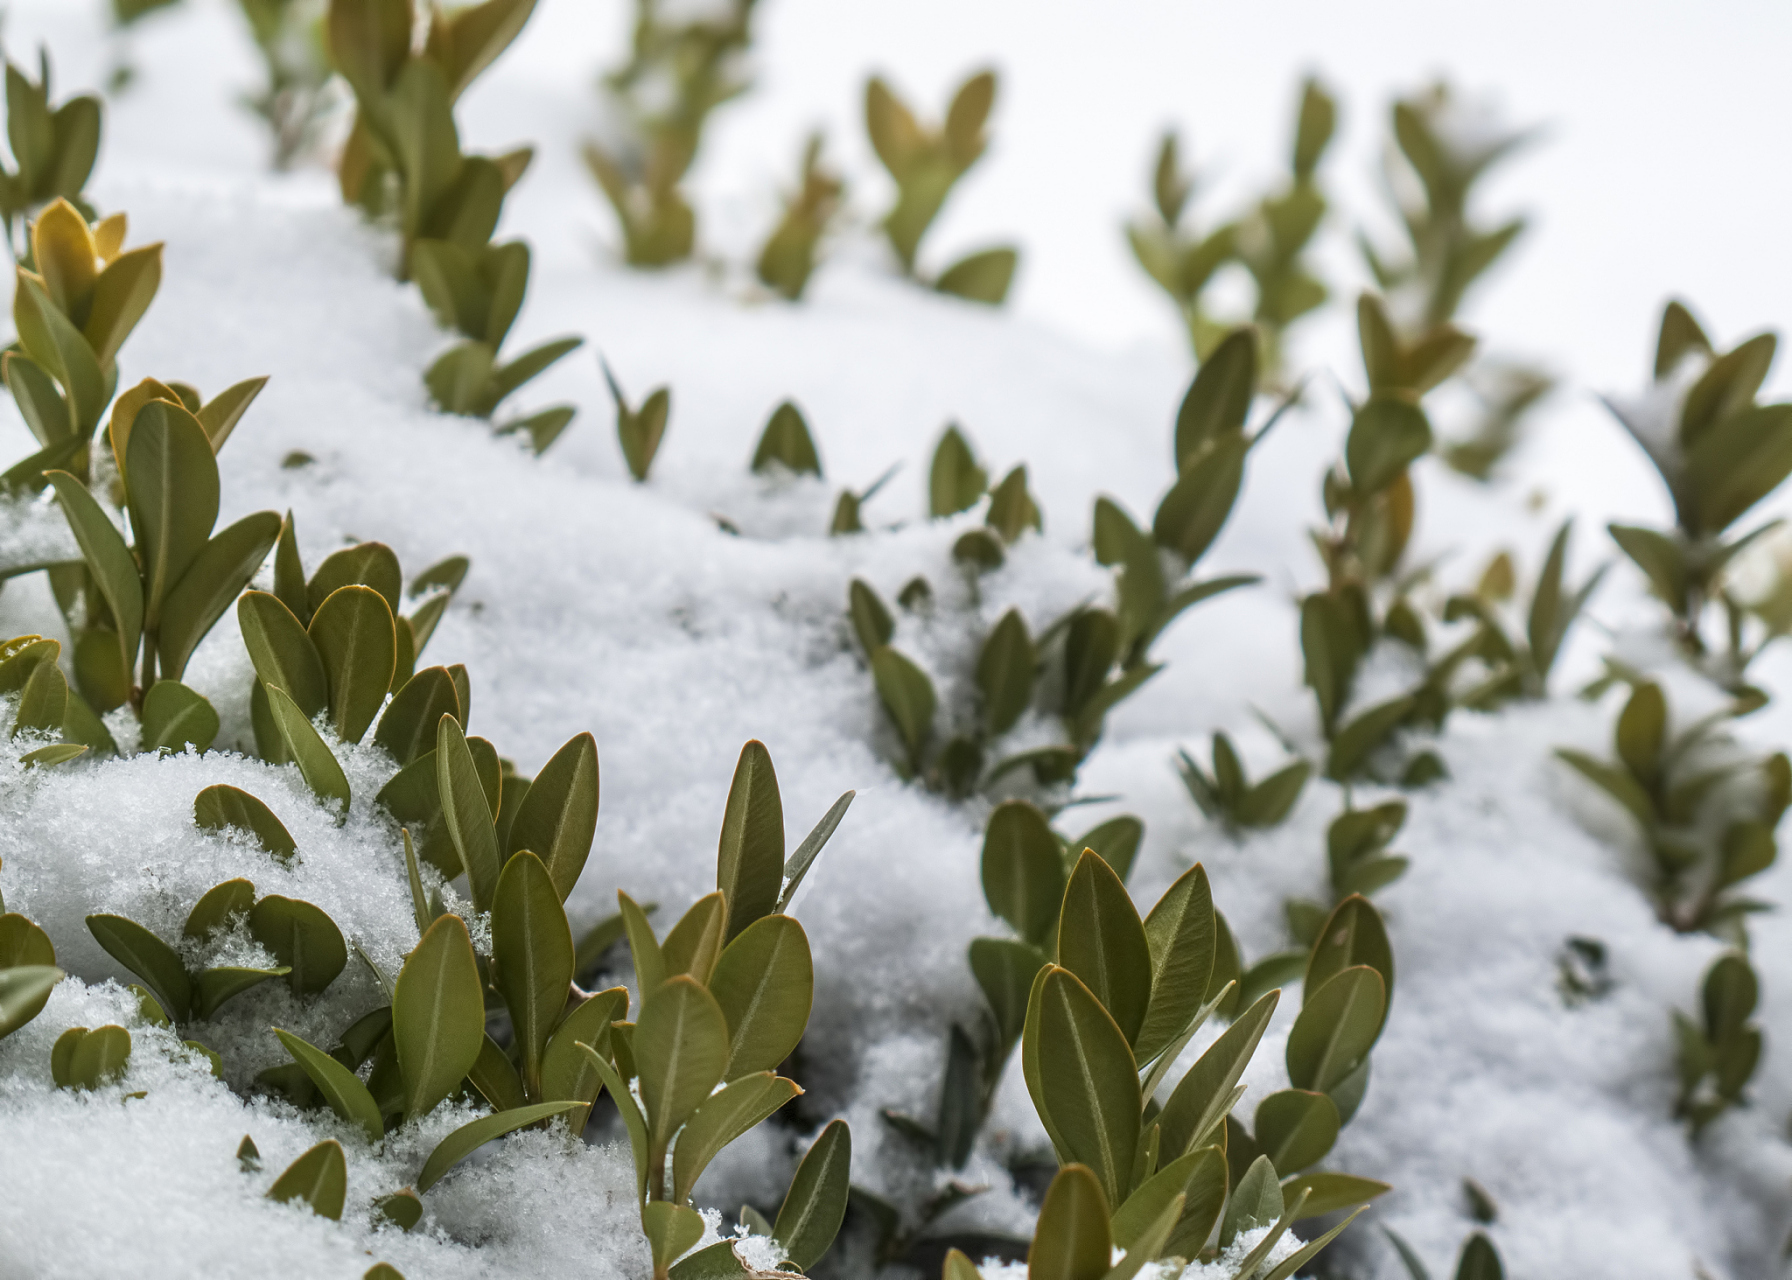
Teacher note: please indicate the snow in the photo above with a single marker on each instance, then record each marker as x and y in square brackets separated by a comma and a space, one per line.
[593, 603]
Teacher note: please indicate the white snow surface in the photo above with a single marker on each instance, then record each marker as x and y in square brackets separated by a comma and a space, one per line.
[594, 603]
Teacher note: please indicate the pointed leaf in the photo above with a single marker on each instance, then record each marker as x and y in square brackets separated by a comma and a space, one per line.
[1087, 1080]
[815, 1205]
[558, 817]
[466, 813]
[147, 956]
[764, 983]
[319, 1178]
[438, 1015]
[341, 1088]
[532, 958]
[216, 577]
[1102, 941]
[1072, 1241]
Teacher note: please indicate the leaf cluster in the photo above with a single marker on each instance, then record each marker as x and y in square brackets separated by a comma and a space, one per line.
[926, 162]
[1270, 239]
[53, 148]
[1720, 1049]
[682, 65]
[787, 259]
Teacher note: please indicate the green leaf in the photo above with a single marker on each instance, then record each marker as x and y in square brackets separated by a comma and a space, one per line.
[1642, 731]
[1181, 936]
[1337, 1026]
[319, 767]
[1200, 1102]
[764, 983]
[1256, 1202]
[1357, 740]
[1620, 786]
[50, 339]
[1072, 1241]
[319, 1178]
[1193, 511]
[723, 1117]
[171, 486]
[797, 865]
[955, 482]
[1219, 398]
[216, 577]
[175, 717]
[43, 702]
[438, 1015]
[909, 698]
[147, 956]
[558, 817]
[1387, 435]
[408, 728]
[1294, 1262]
[815, 1205]
[366, 564]
[1296, 1128]
[54, 754]
[1005, 672]
[1023, 871]
[1659, 556]
[114, 569]
[1330, 1192]
[565, 1075]
[353, 634]
[871, 620]
[1087, 1081]
[467, 1139]
[41, 405]
[302, 937]
[223, 411]
[632, 1119]
[24, 990]
[404, 1210]
[649, 960]
[283, 654]
[212, 987]
[221, 806]
[695, 943]
[341, 1088]
[91, 1058]
[1102, 941]
[681, 1049]
[1353, 935]
[981, 277]
[1005, 970]
[672, 1229]
[1200, 1178]
[750, 858]
[23, 943]
[532, 957]
[466, 813]
[1117, 841]
[495, 1079]
[786, 441]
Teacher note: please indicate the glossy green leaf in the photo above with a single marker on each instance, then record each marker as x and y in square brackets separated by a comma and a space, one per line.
[147, 956]
[1330, 1192]
[302, 937]
[1102, 941]
[694, 944]
[317, 764]
[438, 1015]
[1203, 1097]
[750, 857]
[1005, 672]
[216, 577]
[815, 1205]
[1072, 1240]
[632, 1118]
[282, 652]
[408, 727]
[1353, 935]
[557, 819]
[764, 983]
[955, 482]
[175, 717]
[319, 1178]
[1023, 871]
[1200, 1177]
[466, 813]
[1219, 398]
[23, 943]
[532, 958]
[341, 1088]
[721, 1118]
[24, 990]
[216, 907]
[681, 1049]
[1337, 1027]
[467, 1139]
[353, 633]
[1087, 1081]
[171, 487]
[222, 807]
[1181, 934]
[1296, 1128]
[113, 567]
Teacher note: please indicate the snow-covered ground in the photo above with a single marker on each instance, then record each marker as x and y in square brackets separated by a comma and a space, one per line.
[597, 604]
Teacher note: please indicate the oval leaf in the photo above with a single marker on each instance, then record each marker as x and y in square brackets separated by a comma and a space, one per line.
[765, 984]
